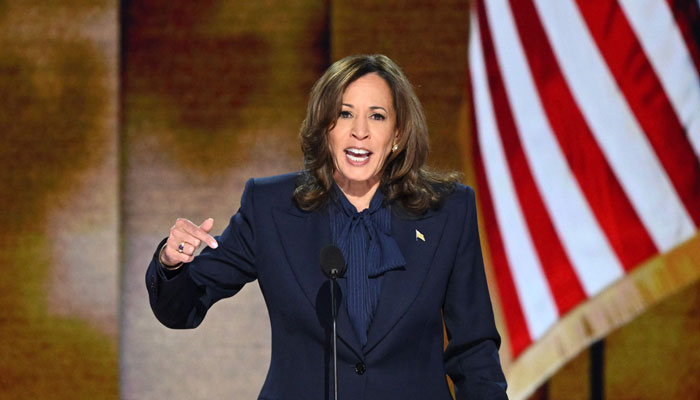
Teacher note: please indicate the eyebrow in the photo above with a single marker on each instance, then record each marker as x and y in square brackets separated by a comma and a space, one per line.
[371, 108]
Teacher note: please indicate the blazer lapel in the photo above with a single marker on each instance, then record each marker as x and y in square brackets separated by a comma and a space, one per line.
[418, 239]
[303, 235]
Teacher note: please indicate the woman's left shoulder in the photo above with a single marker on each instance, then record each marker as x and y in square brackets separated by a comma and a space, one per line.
[458, 195]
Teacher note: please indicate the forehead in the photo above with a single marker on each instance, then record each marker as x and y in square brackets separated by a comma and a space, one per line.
[370, 86]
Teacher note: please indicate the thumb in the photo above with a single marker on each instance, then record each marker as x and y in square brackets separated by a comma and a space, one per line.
[207, 225]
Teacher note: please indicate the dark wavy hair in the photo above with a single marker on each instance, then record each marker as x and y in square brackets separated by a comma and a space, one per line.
[405, 180]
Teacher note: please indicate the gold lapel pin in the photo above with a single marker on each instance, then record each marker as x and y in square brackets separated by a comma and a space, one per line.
[419, 236]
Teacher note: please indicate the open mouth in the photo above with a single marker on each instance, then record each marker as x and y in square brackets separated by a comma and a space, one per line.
[357, 155]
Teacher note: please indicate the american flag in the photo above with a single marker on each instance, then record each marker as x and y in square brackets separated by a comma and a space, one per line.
[586, 119]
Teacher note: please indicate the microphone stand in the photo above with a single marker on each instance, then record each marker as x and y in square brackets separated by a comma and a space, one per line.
[334, 274]
[333, 265]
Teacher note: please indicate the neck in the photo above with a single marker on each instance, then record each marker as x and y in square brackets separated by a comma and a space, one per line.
[359, 194]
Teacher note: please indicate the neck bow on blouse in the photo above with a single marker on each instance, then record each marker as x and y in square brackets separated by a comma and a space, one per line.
[365, 240]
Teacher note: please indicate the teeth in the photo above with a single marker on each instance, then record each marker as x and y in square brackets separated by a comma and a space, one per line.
[358, 151]
[357, 159]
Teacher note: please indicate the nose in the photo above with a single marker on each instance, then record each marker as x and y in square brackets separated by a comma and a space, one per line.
[360, 129]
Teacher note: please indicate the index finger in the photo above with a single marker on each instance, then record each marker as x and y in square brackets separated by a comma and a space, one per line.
[200, 234]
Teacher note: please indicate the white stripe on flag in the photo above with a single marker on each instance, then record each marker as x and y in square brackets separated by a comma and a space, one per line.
[534, 294]
[592, 257]
[662, 41]
[614, 126]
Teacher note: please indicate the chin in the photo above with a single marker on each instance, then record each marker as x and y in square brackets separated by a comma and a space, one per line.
[356, 178]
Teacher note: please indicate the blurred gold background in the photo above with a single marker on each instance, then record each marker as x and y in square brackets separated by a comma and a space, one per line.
[58, 199]
[117, 118]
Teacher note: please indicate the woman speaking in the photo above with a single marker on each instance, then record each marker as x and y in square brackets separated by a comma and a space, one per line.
[408, 236]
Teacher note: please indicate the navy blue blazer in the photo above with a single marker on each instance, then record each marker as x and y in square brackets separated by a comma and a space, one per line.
[270, 239]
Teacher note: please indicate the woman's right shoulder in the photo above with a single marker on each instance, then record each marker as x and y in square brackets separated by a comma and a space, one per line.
[274, 188]
[276, 182]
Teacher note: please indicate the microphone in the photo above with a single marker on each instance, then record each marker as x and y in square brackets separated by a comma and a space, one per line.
[333, 266]
[332, 262]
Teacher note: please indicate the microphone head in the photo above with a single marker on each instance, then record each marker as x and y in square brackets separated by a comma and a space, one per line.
[332, 261]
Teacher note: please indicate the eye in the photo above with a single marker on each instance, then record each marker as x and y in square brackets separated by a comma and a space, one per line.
[345, 114]
[377, 117]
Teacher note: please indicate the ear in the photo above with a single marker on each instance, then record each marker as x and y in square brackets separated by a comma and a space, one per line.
[395, 142]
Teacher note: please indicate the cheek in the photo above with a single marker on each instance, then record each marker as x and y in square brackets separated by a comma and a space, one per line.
[330, 142]
[332, 149]
[381, 160]
[333, 137]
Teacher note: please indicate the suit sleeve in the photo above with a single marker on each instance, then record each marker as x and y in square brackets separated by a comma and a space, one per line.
[471, 357]
[182, 298]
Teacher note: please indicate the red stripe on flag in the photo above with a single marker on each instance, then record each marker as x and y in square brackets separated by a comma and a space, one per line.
[514, 318]
[687, 16]
[643, 91]
[563, 282]
[608, 201]
[518, 332]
